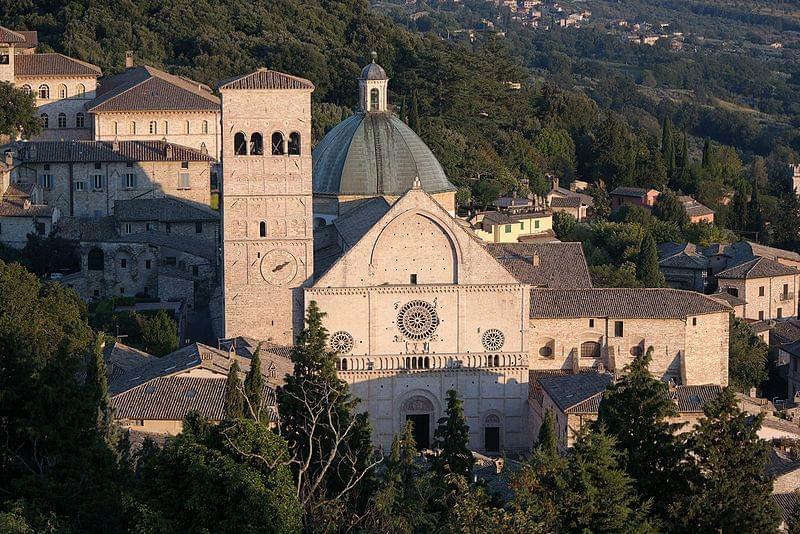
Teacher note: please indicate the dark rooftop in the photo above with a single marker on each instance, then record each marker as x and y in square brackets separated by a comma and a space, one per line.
[266, 79]
[52, 64]
[561, 265]
[102, 151]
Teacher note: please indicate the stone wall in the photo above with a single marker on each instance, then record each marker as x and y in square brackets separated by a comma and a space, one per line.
[14, 230]
[72, 105]
[765, 306]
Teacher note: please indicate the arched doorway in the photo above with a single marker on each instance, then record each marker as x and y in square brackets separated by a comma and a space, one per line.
[420, 411]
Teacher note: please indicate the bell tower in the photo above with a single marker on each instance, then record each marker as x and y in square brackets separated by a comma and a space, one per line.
[266, 204]
[373, 88]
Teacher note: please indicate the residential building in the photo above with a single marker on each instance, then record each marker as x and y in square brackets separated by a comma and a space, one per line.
[768, 288]
[696, 211]
[512, 227]
[683, 266]
[633, 196]
[559, 199]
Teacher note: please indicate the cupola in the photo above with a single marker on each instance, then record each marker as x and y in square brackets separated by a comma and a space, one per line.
[373, 86]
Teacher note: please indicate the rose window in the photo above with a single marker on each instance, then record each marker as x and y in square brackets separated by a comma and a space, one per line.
[493, 340]
[341, 342]
[417, 320]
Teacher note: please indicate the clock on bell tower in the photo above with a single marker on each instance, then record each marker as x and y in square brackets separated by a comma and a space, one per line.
[266, 204]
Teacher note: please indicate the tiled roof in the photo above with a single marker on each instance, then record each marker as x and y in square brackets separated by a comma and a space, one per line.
[10, 36]
[561, 265]
[787, 504]
[162, 209]
[121, 358]
[566, 202]
[196, 247]
[266, 79]
[576, 393]
[694, 208]
[87, 229]
[21, 207]
[149, 89]
[792, 348]
[52, 65]
[19, 189]
[757, 326]
[621, 303]
[501, 217]
[728, 298]
[692, 399]
[100, 151]
[787, 331]
[757, 268]
[356, 222]
[171, 398]
[637, 192]
[682, 256]
[31, 39]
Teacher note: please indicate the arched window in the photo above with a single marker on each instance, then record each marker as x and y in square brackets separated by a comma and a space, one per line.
[80, 90]
[27, 88]
[344, 364]
[256, 144]
[62, 91]
[496, 360]
[277, 144]
[96, 260]
[590, 349]
[294, 144]
[44, 91]
[262, 229]
[413, 362]
[240, 144]
[45, 120]
[153, 127]
[408, 362]
[205, 127]
[374, 99]
[133, 127]
[62, 120]
[80, 121]
[427, 363]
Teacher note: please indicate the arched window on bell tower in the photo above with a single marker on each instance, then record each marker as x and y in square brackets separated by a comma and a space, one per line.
[373, 87]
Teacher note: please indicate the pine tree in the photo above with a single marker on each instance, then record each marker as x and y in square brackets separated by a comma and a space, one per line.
[729, 491]
[234, 398]
[668, 147]
[253, 386]
[635, 411]
[413, 113]
[647, 270]
[547, 442]
[451, 439]
[97, 381]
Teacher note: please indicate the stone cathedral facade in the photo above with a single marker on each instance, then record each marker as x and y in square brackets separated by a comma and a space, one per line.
[415, 303]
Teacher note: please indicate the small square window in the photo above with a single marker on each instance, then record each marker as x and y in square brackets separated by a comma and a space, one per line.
[129, 164]
[128, 228]
[47, 166]
[123, 263]
[619, 330]
[536, 224]
[198, 228]
[122, 291]
[184, 164]
[150, 226]
[780, 313]
[97, 166]
[694, 321]
[195, 270]
[761, 315]
[591, 323]
[80, 186]
[508, 228]
[413, 279]
[148, 264]
[761, 291]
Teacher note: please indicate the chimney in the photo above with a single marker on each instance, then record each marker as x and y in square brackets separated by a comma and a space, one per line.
[535, 259]
[9, 158]
[129, 59]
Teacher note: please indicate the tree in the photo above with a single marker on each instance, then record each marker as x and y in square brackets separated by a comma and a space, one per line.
[601, 201]
[647, 270]
[231, 478]
[97, 382]
[635, 411]
[234, 396]
[329, 443]
[451, 439]
[786, 225]
[707, 152]
[253, 387]
[18, 116]
[563, 224]
[755, 219]
[547, 443]
[413, 113]
[737, 217]
[728, 490]
[748, 356]
[669, 208]
[668, 146]
[160, 334]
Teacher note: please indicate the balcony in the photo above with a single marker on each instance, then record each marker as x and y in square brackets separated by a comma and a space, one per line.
[789, 295]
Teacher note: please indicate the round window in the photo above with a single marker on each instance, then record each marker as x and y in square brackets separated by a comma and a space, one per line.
[417, 320]
[341, 342]
[493, 340]
[545, 352]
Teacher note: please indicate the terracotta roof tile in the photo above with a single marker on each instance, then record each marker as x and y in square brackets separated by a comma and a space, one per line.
[637, 192]
[266, 79]
[758, 268]
[561, 265]
[621, 303]
[162, 209]
[52, 65]
[10, 36]
[566, 202]
[787, 505]
[100, 151]
[692, 399]
[577, 393]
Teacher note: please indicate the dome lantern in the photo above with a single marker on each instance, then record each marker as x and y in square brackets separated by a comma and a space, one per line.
[373, 86]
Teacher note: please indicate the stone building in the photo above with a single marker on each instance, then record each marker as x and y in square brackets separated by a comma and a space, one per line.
[768, 288]
[633, 196]
[86, 178]
[696, 211]
[684, 266]
[22, 210]
[147, 104]
[577, 204]
[63, 86]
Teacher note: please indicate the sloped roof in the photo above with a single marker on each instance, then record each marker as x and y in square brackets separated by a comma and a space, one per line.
[197, 247]
[31, 39]
[566, 202]
[682, 256]
[53, 64]
[121, 358]
[87, 229]
[561, 265]
[373, 71]
[10, 36]
[266, 79]
[692, 399]
[758, 267]
[637, 192]
[149, 89]
[787, 505]
[622, 303]
[693, 207]
[787, 331]
[728, 298]
[576, 393]
[162, 209]
[503, 217]
[101, 151]
[356, 222]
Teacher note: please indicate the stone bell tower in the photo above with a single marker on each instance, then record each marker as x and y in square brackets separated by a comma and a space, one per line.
[266, 204]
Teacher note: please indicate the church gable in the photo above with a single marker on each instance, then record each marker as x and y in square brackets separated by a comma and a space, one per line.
[416, 242]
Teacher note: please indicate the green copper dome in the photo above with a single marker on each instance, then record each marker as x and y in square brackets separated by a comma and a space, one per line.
[375, 154]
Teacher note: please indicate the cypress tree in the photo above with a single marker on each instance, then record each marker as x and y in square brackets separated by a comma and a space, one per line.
[668, 147]
[647, 270]
[413, 113]
[729, 490]
[706, 153]
[253, 384]
[234, 398]
[738, 213]
[635, 411]
[755, 221]
[450, 439]
[97, 381]
[685, 150]
[787, 222]
[547, 442]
